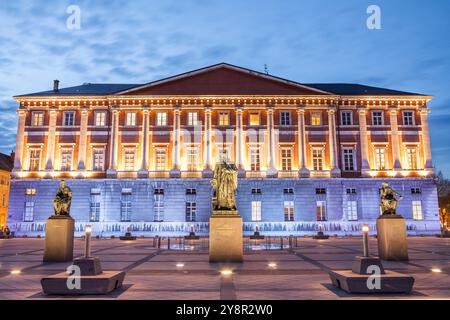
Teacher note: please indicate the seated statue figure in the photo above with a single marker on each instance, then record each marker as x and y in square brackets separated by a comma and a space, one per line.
[388, 200]
[63, 200]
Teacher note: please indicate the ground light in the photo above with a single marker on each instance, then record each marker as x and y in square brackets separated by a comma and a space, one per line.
[180, 265]
[16, 271]
[226, 272]
[436, 270]
[272, 265]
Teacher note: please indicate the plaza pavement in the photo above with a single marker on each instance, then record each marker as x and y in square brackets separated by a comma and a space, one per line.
[152, 273]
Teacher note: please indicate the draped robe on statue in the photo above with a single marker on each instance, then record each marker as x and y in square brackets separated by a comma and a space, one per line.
[225, 183]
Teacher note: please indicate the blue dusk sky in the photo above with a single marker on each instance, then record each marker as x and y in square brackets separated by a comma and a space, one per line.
[305, 41]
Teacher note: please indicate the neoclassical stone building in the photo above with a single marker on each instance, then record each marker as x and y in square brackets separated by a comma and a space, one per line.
[140, 155]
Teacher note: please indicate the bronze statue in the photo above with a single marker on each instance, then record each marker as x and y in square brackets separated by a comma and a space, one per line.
[63, 200]
[388, 200]
[225, 183]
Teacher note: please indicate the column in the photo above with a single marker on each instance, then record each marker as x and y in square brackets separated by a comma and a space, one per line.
[113, 143]
[426, 138]
[51, 139]
[239, 143]
[272, 171]
[207, 172]
[335, 171]
[364, 144]
[394, 138]
[175, 172]
[303, 171]
[83, 139]
[143, 172]
[19, 140]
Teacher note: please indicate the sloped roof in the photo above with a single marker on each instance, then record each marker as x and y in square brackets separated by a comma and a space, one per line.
[351, 89]
[86, 89]
[6, 162]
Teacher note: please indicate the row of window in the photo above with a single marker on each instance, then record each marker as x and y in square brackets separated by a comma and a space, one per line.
[223, 119]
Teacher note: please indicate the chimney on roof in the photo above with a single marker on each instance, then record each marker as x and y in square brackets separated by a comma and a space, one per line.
[55, 85]
[13, 155]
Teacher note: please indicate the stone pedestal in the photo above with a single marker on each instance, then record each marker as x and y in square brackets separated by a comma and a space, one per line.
[59, 233]
[392, 243]
[226, 237]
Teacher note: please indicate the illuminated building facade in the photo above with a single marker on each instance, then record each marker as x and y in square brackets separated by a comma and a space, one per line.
[6, 165]
[141, 155]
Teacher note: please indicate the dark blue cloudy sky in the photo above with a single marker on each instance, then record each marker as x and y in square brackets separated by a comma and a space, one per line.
[306, 41]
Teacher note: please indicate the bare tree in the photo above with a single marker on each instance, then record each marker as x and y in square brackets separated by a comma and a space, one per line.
[444, 199]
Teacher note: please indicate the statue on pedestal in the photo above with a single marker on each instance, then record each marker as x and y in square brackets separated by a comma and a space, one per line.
[224, 182]
[63, 200]
[389, 200]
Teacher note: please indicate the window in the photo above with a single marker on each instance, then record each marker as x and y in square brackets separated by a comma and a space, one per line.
[255, 164]
[100, 118]
[377, 118]
[286, 159]
[37, 119]
[158, 205]
[321, 191]
[192, 118]
[288, 191]
[411, 155]
[256, 191]
[30, 191]
[191, 210]
[346, 118]
[161, 118]
[380, 158]
[316, 118]
[129, 157]
[254, 119]
[321, 210]
[28, 215]
[95, 205]
[192, 158]
[191, 191]
[125, 208]
[158, 191]
[317, 159]
[69, 118]
[224, 118]
[289, 211]
[352, 211]
[408, 118]
[98, 159]
[416, 191]
[160, 159]
[66, 159]
[285, 118]
[417, 210]
[256, 210]
[348, 155]
[351, 191]
[130, 118]
[34, 159]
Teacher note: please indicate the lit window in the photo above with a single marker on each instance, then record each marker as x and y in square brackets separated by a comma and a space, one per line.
[69, 118]
[346, 118]
[66, 159]
[316, 118]
[377, 118]
[130, 118]
[161, 118]
[411, 154]
[321, 210]
[192, 118]
[34, 157]
[158, 206]
[98, 159]
[380, 158]
[417, 210]
[28, 215]
[288, 210]
[285, 118]
[30, 191]
[37, 119]
[408, 118]
[129, 159]
[352, 211]
[286, 159]
[317, 159]
[348, 155]
[254, 119]
[255, 164]
[191, 210]
[256, 211]
[100, 118]
[192, 158]
[125, 208]
[160, 159]
[224, 118]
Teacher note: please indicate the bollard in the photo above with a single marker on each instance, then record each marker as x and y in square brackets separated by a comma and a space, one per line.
[365, 230]
[87, 241]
